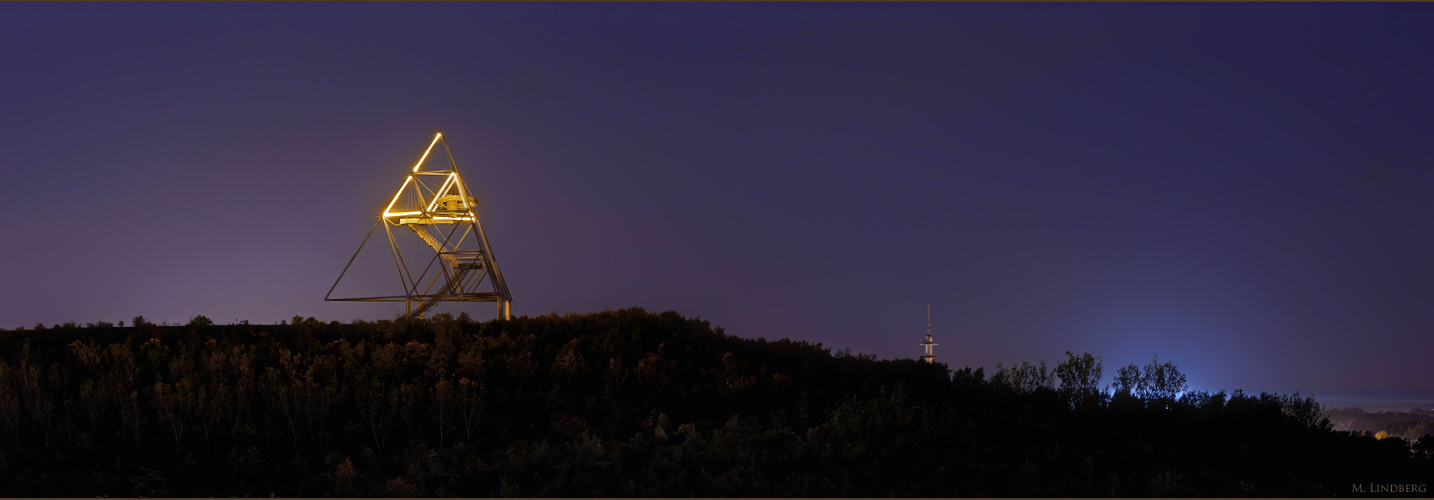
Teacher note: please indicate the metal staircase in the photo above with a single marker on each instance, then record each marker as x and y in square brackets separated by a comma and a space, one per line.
[460, 264]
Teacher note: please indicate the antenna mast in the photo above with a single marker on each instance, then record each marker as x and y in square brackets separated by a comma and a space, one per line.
[930, 356]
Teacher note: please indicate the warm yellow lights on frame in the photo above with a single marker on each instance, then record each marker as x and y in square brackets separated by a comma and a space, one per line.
[395, 197]
[449, 183]
[436, 137]
[442, 190]
[416, 166]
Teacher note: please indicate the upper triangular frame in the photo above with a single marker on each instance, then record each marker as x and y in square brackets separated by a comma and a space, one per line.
[462, 269]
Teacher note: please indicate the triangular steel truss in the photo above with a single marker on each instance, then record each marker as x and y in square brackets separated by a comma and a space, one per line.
[437, 207]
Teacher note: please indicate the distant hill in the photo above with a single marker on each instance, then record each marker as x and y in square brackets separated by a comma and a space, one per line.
[617, 403]
[1411, 425]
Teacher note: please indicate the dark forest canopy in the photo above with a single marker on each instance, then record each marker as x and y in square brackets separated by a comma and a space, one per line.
[627, 403]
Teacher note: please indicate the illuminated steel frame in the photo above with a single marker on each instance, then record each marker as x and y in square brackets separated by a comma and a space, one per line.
[463, 265]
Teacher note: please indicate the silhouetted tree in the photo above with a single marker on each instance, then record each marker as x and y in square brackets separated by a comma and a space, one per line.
[1424, 447]
[174, 402]
[1024, 377]
[1128, 381]
[470, 403]
[1161, 381]
[1080, 376]
[9, 400]
[1304, 410]
[39, 402]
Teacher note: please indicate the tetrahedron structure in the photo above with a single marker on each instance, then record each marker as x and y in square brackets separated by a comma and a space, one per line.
[435, 206]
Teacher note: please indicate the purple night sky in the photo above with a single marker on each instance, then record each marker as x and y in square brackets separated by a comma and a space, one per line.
[1241, 189]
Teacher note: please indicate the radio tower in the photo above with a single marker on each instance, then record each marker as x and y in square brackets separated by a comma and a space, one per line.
[930, 356]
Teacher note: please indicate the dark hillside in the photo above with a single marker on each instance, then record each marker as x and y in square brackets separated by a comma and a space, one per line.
[623, 403]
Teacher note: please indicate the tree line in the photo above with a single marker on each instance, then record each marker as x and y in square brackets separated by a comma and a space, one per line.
[624, 403]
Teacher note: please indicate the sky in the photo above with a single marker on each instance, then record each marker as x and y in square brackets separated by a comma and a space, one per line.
[1241, 189]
